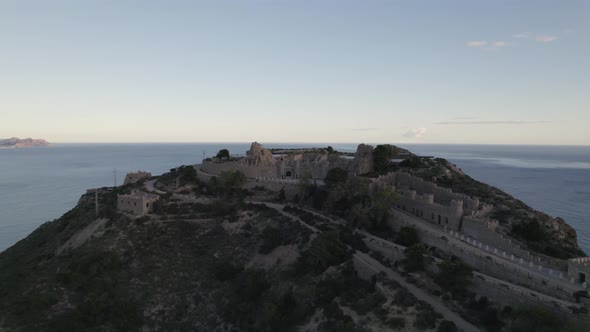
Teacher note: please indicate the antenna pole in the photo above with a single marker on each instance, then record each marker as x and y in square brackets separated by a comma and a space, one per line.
[115, 177]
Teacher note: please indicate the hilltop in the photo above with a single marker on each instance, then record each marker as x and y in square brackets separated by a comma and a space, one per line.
[344, 247]
[15, 142]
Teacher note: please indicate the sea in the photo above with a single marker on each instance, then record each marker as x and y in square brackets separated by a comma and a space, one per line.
[41, 184]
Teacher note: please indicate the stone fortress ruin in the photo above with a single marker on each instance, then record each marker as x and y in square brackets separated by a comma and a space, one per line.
[454, 223]
[260, 162]
[136, 177]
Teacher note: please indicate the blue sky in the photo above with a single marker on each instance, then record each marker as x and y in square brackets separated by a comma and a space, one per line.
[495, 72]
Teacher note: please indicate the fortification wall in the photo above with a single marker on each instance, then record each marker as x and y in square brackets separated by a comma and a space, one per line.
[291, 187]
[489, 264]
[482, 230]
[250, 171]
[422, 206]
[441, 195]
[579, 269]
[136, 176]
[510, 295]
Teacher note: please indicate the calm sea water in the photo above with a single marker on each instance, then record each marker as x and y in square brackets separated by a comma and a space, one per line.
[40, 184]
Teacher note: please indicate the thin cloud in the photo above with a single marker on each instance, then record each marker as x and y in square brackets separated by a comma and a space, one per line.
[485, 45]
[545, 39]
[477, 43]
[537, 38]
[486, 122]
[364, 129]
[415, 133]
[523, 35]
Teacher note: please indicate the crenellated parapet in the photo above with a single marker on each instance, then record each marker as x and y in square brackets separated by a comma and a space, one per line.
[578, 270]
[136, 176]
[441, 195]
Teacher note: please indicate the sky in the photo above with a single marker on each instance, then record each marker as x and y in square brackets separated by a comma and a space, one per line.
[465, 72]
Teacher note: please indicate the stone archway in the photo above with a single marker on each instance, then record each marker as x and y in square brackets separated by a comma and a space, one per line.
[288, 174]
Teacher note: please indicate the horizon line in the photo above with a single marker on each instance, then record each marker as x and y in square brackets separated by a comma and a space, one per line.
[324, 143]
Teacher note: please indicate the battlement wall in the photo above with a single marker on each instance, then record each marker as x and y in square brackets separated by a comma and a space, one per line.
[423, 206]
[441, 195]
[251, 171]
[136, 176]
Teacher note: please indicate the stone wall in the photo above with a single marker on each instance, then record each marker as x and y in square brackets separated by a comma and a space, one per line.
[251, 171]
[518, 272]
[579, 269]
[423, 206]
[441, 195]
[363, 159]
[500, 291]
[137, 203]
[510, 295]
[481, 229]
[136, 176]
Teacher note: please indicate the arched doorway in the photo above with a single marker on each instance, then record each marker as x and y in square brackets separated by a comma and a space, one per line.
[288, 174]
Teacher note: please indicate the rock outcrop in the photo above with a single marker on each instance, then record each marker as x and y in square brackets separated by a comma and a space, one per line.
[259, 156]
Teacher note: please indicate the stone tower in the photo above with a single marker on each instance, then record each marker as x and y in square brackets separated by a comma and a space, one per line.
[363, 159]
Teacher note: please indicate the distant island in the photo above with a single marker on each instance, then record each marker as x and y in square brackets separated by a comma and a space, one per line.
[14, 142]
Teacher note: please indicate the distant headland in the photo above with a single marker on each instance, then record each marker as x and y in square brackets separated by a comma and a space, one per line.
[14, 142]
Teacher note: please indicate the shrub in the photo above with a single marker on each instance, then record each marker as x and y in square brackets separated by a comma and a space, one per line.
[407, 236]
[447, 326]
[396, 323]
[223, 154]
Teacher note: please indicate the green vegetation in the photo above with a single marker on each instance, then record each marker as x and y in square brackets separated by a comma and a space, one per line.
[335, 176]
[413, 162]
[223, 154]
[407, 236]
[454, 276]
[417, 258]
[534, 319]
[382, 155]
[447, 326]
[326, 250]
[228, 185]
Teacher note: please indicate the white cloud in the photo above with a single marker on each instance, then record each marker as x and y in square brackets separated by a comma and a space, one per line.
[477, 43]
[545, 39]
[537, 38]
[415, 133]
[500, 43]
[524, 35]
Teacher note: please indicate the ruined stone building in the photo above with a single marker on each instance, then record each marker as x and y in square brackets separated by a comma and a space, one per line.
[138, 202]
[136, 176]
[260, 162]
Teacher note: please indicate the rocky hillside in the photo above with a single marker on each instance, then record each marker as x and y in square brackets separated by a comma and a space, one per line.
[197, 264]
[22, 143]
[539, 231]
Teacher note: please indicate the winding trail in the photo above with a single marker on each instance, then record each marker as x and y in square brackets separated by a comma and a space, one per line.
[420, 294]
[377, 267]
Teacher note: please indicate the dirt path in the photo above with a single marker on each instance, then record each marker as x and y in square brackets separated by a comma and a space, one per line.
[376, 266]
[280, 207]
[435, 302]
